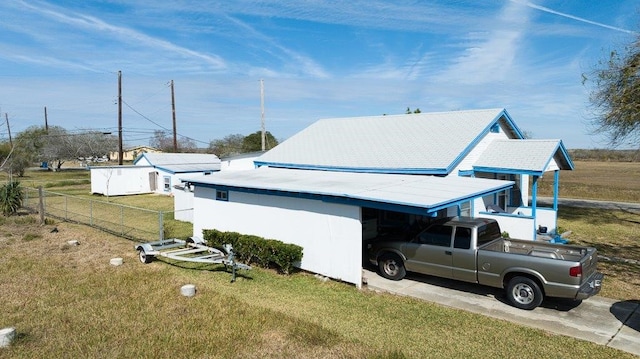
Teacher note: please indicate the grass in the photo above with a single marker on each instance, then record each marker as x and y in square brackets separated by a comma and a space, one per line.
[70, 302]
[67, 301]
[608, 181]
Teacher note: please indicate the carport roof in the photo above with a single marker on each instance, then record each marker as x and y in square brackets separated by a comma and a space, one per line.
[418, 194]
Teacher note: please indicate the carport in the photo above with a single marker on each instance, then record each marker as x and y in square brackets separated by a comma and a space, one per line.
[322, 211]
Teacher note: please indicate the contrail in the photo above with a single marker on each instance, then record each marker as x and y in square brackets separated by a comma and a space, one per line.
[551, 11]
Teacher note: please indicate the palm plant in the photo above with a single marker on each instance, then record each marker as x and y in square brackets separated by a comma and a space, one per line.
[11, 195]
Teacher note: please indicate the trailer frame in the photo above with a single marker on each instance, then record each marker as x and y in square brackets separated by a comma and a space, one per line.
[193, 250]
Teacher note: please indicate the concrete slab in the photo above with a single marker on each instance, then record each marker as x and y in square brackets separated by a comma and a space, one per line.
[600, 320]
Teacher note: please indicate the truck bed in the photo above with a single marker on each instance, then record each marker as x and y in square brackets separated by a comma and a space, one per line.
[536, 249]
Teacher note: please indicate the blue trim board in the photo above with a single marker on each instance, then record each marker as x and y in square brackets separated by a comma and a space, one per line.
[507, 171]
[361, 202]
[426, 171]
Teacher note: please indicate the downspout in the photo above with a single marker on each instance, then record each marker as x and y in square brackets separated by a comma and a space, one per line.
[556, 184]
[534, 203]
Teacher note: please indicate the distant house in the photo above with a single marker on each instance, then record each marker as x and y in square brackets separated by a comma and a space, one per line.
[239, 162]
[152, 173]
[130, 154]
[341, 181]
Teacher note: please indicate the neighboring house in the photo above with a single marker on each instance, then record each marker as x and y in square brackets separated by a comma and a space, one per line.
[239, 162]
[340, 181]
[130, 154]
[152, 173]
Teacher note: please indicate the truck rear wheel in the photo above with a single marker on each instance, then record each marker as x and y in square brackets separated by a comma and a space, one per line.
[391, 266]
[524, 293]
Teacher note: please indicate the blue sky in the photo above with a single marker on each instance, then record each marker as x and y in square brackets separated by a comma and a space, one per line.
[318, 58]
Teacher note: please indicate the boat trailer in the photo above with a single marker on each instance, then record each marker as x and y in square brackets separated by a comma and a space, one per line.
[193, 249]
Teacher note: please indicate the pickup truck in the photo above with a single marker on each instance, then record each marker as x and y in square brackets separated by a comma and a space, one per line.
[473, 250]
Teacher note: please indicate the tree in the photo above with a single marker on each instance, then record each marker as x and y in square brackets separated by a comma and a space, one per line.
[228, 146]
[616, 95]
[253, 142]
[162, 141]
[408, 111]
[26, 150]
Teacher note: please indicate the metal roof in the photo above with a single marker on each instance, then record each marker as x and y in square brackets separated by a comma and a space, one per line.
[181, 162]
[523, 156]
[424, 143]
[409, 193]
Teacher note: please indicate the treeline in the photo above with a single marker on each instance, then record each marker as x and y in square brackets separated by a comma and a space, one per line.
[604, 155]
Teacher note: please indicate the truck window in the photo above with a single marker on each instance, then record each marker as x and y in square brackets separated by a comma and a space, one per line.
[462, 239]
[488, 232]
[436, 235]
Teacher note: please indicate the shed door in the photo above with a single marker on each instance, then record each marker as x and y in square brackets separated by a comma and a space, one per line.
[152, 181]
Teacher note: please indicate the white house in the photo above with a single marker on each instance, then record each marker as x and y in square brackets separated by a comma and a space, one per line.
[152, 173]
[339, 181]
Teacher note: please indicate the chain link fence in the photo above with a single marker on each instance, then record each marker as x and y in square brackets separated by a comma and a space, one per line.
[125, 221]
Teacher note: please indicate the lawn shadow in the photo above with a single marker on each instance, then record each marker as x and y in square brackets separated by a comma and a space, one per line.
[628, 313]
[206, 267]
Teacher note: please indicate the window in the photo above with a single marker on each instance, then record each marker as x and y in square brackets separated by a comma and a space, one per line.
[222, 195]
[462, 239]
[436, 235]
[465, 209]
[167, 184]
[488, 232]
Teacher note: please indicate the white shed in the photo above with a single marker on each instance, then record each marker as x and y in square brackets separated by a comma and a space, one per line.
[152, 173]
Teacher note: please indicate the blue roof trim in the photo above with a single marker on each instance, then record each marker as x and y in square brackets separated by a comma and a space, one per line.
[565, 154]
[426, 171]
[361, 202]
[141, 156]
[503, 114]
[507, 171]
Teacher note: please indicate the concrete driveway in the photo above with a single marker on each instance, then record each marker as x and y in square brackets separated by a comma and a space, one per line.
[600, 320]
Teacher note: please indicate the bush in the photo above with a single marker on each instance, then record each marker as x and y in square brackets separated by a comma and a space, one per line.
[252, 249]
[11, 195]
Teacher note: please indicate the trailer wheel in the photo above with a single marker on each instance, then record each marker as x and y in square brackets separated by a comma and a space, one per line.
[524, 293]
[144, 257]
[391, 266]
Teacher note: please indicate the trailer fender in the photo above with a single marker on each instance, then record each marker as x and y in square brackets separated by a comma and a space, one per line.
[146, 247]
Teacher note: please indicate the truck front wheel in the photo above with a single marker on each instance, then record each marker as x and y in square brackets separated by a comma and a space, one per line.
[524, 293]
[391, 266]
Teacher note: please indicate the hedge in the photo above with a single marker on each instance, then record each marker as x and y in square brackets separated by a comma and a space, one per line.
[251, 249]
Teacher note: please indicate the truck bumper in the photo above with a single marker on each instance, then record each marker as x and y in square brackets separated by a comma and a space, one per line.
[591, 286]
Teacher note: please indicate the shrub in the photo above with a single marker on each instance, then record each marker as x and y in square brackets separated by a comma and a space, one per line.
[252, 249]
[11, 195]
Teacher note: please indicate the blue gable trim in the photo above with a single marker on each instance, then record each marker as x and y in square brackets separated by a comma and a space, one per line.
[508, 121]
[421, 171]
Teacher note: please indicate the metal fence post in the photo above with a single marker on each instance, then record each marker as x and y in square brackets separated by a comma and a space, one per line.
[91, 213]
[41, 204]
[161, 225]
[66, 207]
[121, 221]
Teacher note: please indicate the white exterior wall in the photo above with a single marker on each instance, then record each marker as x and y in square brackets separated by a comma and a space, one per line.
[330, 234]
[183, 205]
[239, 164]
[114, 181]
[467, 163]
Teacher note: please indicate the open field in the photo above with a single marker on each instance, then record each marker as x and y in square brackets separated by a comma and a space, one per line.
[67, 301]
[608, 181]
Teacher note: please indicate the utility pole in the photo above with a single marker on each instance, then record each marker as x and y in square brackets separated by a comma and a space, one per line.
[173, 111]
[46, 124]
[120, 152]
[263, 135]
[6, 117]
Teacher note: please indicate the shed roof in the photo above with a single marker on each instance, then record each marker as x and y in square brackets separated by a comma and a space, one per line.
[408, 193]
[181, 162]
[424, 143]
[523, 156]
